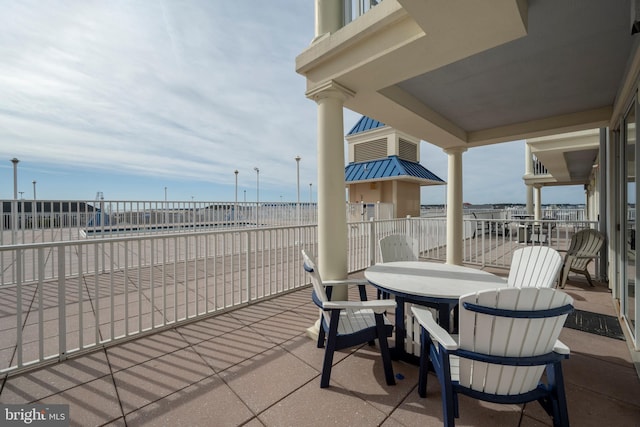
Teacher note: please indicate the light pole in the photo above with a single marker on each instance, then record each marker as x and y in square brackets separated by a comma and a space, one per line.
[257, 192]
[235, 206]
[298, 188]
[14, 203]
[35, 207]
[310, 192]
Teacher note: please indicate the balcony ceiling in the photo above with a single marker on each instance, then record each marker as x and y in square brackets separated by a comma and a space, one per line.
[461, 73]
[572, 60]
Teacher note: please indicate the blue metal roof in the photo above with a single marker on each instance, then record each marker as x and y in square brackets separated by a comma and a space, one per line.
[390, 167]
[364, 124]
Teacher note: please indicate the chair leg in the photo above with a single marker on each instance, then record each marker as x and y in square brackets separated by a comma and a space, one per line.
[384, 350]
[362, 291]
[425, 345]
[555, 379]
[332, 340]
[586, 273]
[449, 400]
[321, 333]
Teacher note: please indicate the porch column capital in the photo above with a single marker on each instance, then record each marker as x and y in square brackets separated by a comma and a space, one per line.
[330, 89]
[454, 150]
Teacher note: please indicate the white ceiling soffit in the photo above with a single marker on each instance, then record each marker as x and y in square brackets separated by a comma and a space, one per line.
[564, 74]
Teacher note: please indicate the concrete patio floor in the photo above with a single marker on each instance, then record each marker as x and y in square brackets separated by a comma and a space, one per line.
[254, 366]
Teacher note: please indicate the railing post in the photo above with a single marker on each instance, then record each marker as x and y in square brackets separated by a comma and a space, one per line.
[248, 267]
[483, 242]
[407, 226]
[19, 307]
[372, 241]
[62, 307]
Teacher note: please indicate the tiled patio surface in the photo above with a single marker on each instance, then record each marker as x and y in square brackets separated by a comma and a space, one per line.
[255, 366]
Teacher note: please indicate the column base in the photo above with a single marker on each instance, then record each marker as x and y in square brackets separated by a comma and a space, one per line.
[314, 330]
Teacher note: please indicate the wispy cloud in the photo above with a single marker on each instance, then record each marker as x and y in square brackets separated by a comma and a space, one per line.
[180, 90]
[159, 88]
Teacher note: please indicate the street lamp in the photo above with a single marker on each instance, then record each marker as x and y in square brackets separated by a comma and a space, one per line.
[14, 203]
[257, 192]
[298, 187]
[235, 206]
[311, 192]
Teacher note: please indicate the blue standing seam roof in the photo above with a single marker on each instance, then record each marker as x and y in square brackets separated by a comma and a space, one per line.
[389, 167]
[364, 124]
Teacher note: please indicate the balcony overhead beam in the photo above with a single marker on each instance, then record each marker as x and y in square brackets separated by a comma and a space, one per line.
[379, 48]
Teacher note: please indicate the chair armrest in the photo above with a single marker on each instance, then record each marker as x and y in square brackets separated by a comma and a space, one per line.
[345, 282]
[426, 320]
[584, 256]
[378, 306]
[561, 348]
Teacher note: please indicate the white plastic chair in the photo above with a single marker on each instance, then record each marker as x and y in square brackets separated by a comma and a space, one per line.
[349, 323]
[534, 266]
[584, 246]
[398, 247]
[507, 338]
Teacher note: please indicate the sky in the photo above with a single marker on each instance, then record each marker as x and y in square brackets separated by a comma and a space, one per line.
[132, 98]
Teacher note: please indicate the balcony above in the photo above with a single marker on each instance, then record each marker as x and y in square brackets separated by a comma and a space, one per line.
[465, 74]
[568, 158]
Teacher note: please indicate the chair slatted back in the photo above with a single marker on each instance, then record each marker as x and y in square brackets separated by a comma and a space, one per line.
[534, 266]
[316, 281]
[398, 247]
[509, 337]
[585, 243]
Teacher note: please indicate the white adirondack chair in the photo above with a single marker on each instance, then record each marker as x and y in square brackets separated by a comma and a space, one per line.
[349, 323]
[398, 247]
[534, 266]
[584, 246]
[507, 337]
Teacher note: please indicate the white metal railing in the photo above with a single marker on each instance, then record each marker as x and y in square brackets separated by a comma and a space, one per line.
[43, 220]
[538, 167]
[550, 213]
[488, 242]
[71, 297]
[65, 298]
[27, 221]
[491, 242]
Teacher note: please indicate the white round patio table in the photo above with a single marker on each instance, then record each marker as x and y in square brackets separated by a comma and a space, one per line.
[428, 283]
